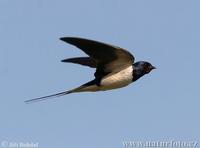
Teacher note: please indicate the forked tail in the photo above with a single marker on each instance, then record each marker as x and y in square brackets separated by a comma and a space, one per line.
[78, 89]
[48, 97]
[90, 86]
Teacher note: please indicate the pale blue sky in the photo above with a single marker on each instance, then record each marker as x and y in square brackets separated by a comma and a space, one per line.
[163, 105]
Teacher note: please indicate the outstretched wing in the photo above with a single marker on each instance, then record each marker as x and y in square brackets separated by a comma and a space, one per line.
[108, 58]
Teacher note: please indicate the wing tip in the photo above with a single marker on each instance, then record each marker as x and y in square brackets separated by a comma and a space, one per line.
[63, 38]
[72, 39]
[67, 39]
[65, 60]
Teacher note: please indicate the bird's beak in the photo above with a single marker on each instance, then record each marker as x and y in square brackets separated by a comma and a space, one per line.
[153, 67]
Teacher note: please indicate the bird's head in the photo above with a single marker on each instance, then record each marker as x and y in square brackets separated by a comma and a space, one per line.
[143, 67]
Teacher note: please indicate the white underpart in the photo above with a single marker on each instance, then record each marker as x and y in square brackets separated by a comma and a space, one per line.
[111, 81]
[117, 80]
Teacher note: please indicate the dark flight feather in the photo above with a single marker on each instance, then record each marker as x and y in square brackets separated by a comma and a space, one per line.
[86, 61]
[108, 58]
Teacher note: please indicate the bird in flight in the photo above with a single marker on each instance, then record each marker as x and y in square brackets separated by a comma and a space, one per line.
[115, 67]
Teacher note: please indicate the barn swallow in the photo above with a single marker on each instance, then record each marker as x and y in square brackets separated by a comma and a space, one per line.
[115, 67]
